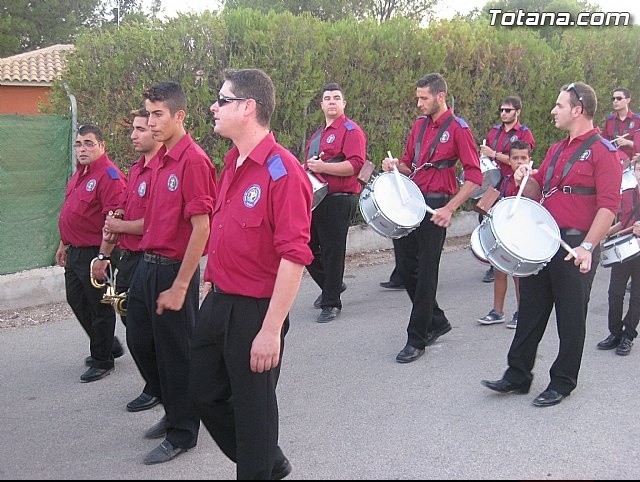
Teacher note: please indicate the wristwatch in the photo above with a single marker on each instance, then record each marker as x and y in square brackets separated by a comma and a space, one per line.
[587, 246]
[103, 257]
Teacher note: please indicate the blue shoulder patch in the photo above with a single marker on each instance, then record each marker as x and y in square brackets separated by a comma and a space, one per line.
[349, 125]
[113, 173]
[636, 116]
[608, 145]
[499, 126]
[610, 116]
[462, 123]
[524, 128]
[276, 167]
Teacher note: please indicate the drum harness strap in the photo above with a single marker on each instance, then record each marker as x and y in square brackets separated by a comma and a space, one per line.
[583, 190]
[494, 144]
[314, 147]
[443, 164]
[635, 209]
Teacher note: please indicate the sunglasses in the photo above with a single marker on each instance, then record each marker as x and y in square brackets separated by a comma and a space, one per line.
[572, 87]
[223, 99]
[615, 97]
[506, 110]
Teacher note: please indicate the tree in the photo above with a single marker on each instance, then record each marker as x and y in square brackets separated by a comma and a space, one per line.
[383, 10]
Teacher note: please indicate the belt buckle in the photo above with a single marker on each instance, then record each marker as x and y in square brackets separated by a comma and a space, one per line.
[566, 189]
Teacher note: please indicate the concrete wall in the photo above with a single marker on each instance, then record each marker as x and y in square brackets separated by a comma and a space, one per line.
[46, 285]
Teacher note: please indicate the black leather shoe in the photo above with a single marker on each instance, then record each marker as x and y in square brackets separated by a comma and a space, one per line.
[548, 398]
[624, 348]
[328, 314]
[409, 353]
[432, 336]
[318, 302]
[158, 430]
[281, 470]
[93, 374]
[143, 402]
[390, 285]
[505, 386]
[163, 453]
[610, 342]
[116, 350]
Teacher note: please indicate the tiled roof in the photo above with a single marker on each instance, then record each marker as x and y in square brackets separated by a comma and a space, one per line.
[42, 65]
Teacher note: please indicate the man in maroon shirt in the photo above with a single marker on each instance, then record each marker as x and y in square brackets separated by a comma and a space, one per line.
[91, 193]
[436, 143]
[621, 126]
[163, 297]
[579, 184]
[257, 254]
[336, 151]
[499, 140]
[126, 228]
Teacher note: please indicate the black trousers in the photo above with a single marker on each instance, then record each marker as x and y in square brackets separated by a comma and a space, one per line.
[418, 257]
[98, 319]
[126, 267]
[561, 285]
[238, 407]
[620, 274]
[329, 228]
[395, 276]
[160, 345]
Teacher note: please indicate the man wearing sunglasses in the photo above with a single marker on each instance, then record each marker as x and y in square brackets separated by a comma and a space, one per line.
[336, 151]
[91, 193]
[622, 126]
[579, 184]
[257, 254]
[497, 145]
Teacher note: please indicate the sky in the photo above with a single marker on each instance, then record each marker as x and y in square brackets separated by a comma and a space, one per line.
[446, 9]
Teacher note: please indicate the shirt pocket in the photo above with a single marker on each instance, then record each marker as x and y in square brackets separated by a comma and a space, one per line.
[584, 171]
[85, 201]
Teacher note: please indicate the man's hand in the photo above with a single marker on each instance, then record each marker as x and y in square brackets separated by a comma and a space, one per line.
[265, 351]
[171, 299]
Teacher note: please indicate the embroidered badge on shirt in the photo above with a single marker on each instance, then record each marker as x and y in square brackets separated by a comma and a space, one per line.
[513, 138]
[585, 155]
[444, 137]
[631, 125]
[172, 183]
[142, 189]
[252, 196]
[91, 185]
[331, 138]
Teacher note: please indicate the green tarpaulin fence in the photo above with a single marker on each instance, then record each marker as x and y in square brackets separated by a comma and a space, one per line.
[35, 153]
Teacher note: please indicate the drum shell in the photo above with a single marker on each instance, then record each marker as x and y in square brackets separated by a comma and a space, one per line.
[381, 192]
[476, 247]
[491, 176]
[320, 189]
[629, 180]
[619, 250]
[508, 256]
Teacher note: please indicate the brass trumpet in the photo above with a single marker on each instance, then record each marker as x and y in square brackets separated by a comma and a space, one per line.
[110, 296]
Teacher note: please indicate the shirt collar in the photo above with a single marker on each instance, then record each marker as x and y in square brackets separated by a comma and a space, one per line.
[97, 164]
[260, 154]
[583, 137]
[337, 122]
[446, 114]
[176, 151]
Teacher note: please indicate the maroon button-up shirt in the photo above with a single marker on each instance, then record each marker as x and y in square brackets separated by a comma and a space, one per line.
[500, 140]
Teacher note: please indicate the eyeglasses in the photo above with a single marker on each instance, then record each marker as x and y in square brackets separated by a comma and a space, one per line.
[87, 145]
[223, 99]
[572, 86]
[505, 110]
[615, 97]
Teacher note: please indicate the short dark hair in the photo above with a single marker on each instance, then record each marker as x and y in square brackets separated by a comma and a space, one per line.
[583, 95]
[170, 93]
[626, 92]
[520, 144]
[257, 85]
[434, 82]
[85, 129]
[514, 100]
[142, 112]
[329, 86]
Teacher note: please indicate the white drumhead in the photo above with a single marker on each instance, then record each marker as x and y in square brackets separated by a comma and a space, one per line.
[520, 234]
[388, 199]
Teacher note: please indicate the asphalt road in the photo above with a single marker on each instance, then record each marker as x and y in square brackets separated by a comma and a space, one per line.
[347, 409]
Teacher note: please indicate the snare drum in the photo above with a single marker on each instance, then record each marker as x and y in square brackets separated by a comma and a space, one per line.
[491, 176]
[619, 249]
[320, 189]
[476, 247]
[629, 180]
[382, 207]
[516, 244]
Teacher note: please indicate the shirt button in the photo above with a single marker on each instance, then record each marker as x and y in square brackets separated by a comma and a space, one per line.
[244, 225]
[219, 226]
[228, 201]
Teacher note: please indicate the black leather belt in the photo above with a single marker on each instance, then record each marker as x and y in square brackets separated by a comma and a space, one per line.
[340, 194]
[572, 232]
[128, 252]
[435, 195]
[158, 259]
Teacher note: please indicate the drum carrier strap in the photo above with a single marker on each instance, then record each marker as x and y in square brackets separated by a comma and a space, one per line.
[494, 144]
[582, 190]
[636, 205]
[416, 154]
[314, 147]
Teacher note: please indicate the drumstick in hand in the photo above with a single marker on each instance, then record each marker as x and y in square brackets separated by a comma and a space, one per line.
[555, 236]
[519, 195]
[404, 195]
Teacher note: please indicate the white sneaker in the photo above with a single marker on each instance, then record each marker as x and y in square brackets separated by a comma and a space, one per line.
[492, 318]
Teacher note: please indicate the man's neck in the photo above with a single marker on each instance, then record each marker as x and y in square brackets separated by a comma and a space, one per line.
[435, 116]
[623, 113]
[329, 120]
[247, 141]
[580, 127]
[150, 155]
[177, 137]
[507, 126]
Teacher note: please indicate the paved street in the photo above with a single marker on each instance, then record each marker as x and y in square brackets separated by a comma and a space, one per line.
[348, 410]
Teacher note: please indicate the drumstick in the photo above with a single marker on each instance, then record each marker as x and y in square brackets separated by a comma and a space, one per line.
[622, 232]
[519, 195]
[555, 236]
[404, 195]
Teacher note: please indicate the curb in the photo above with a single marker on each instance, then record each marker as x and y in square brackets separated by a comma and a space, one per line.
[46, 285]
